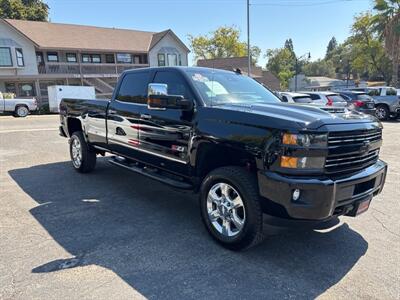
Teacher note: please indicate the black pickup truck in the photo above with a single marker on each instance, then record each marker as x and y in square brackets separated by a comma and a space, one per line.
[228, 138]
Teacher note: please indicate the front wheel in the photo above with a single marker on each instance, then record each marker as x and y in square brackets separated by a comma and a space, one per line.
[382, 112]
[21, 111]
[230, 208]
[82, 157]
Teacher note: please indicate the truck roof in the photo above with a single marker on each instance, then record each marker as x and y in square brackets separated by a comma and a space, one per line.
[180, 68]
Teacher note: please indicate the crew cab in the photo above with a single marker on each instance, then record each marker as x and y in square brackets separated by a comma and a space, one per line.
[226, 137]
[19, 107]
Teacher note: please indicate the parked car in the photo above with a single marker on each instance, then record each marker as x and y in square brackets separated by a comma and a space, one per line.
[327, 98]
[387, 102]
[359, 101]
[226, 137]
[19, 107]
[294, 97]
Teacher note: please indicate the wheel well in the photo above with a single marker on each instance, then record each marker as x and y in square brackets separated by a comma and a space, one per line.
[18, 105]
[73, 125]
[210, 157]
[383, 104]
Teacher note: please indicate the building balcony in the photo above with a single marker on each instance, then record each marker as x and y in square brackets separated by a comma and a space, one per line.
[87, 69]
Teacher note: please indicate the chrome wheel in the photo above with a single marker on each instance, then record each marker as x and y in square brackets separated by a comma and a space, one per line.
[225, 209]
[22, 111]
[76, 152]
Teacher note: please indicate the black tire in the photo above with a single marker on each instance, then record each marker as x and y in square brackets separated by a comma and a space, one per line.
[21, 111]
[88, 156]
[245, 183]
[382, 112]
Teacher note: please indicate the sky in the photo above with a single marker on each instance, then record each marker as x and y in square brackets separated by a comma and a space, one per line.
[310, 23]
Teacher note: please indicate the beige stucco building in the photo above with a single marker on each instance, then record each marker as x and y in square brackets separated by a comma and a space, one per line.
[34, 55]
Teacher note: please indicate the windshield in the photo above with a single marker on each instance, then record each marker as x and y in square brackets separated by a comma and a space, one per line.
[302, 99]
[364, 97]
[335, 98]
[220, 87]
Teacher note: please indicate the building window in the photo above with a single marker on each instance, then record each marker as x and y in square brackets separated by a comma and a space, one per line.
[5, 57]
[71, 57]
[91, 58]
[20, 57]
[172, 60]
[124, 58]
[26, 89]
[39, 58]
[10, 88]
[96, 59]
[180, 59]
[161, 59]
[110, 58]
[52, 56]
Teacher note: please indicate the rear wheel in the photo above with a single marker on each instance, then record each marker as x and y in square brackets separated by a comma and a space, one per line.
[382, 112]
[82, 157]
[21, 111]
[230, 208]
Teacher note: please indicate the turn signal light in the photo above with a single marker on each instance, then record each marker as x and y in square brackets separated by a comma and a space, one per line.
[289, 139]
[288, 162]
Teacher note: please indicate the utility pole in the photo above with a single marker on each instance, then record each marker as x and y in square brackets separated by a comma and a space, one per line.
[248, 39]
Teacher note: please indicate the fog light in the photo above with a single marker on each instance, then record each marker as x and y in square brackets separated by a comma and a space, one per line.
[296, 195]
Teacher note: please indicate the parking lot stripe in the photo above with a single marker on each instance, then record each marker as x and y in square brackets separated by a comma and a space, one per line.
[28, 130]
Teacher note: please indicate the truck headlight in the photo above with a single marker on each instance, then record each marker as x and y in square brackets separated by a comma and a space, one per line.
[302, 162]
[305, 140]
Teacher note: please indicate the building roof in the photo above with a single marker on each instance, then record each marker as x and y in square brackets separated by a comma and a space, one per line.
[69, 36]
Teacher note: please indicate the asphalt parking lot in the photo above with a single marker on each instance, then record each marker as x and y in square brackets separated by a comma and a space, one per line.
[116, 235]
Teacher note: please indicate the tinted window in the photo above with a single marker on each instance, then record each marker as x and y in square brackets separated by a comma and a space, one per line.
[175, 82]
[134, 88]
[364, 97]
[391, 92]
[302, 99]
[314, 97]
[284, 99]
[335, 98]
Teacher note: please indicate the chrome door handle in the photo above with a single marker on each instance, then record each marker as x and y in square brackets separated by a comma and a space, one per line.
[112, 112]
[145, 116]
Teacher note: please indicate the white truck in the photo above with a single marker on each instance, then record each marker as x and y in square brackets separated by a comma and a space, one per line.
[20, 107]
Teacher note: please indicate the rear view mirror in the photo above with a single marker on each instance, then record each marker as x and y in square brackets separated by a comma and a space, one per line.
[158, 98]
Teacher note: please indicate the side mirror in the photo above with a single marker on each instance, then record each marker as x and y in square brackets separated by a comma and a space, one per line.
[158, 98]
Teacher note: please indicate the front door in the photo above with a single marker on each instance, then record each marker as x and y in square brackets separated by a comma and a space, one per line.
[166, 134]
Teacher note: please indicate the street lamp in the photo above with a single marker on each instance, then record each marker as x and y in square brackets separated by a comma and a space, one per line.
[308, 54]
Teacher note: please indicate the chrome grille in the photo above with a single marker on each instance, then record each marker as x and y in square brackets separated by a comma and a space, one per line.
[348, 138]
[345, 150]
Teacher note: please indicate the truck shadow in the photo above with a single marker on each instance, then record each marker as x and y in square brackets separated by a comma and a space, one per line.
[153, 238]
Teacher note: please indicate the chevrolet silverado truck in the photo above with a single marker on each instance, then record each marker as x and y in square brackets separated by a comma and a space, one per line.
[19, 107]
[226, 137]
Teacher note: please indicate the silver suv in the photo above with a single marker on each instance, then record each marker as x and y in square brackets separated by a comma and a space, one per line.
[327, 98]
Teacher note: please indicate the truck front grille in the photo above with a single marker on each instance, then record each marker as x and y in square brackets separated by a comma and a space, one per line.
[347, 150]
[348, 138]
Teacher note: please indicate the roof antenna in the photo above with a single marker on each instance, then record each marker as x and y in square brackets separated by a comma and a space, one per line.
[237, 71]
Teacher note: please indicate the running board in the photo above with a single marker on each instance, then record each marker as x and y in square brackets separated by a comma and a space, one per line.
[123, 163]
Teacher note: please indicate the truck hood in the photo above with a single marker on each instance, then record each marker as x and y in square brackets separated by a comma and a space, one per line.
[301, 115]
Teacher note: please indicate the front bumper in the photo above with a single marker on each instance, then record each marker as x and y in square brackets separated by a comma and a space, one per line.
[321, 199]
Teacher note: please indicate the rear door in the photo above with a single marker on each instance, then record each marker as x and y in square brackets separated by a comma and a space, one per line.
[165, 134]
[123, 115]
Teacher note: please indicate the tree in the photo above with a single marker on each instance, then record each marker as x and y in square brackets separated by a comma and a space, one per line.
[332, 46]
[320, 67]
[282, 64]
[387, 25]
[368, 52]
[34, 10]
[289, 46]
[221, 43]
